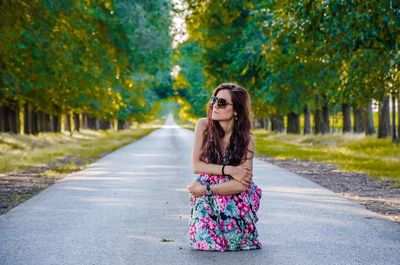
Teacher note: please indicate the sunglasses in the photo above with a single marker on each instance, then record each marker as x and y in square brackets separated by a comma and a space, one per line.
[221, 102]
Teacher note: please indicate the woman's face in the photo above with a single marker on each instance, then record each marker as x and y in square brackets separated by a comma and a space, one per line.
[223, 114]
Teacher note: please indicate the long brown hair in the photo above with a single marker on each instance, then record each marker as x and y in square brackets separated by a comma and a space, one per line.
[236, 152]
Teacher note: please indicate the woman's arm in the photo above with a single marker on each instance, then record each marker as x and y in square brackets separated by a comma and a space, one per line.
[227, 188]
[233, 186]
[230, 187]
[198, 165]
[241, 173]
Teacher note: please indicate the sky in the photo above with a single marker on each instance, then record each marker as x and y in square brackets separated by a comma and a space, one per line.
[178, 29]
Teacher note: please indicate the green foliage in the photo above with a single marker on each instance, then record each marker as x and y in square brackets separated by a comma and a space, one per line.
[292, 54]
[190, 83]
[95, 57]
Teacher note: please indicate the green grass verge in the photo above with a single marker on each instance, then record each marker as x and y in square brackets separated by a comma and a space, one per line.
[379, 158]
[19, 152]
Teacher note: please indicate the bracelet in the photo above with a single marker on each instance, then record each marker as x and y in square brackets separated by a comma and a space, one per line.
[223, 173]
[215, 192]
[208, 190]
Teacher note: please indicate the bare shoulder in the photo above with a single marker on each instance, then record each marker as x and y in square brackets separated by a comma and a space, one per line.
[201, 124]
[251, 145]
[252, 141]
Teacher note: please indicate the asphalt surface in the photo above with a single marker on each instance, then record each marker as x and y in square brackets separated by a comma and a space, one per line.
[131, 207]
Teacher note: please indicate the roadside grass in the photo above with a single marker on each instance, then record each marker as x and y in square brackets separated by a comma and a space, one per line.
[185, 123]
[379, 158]
[20, 152]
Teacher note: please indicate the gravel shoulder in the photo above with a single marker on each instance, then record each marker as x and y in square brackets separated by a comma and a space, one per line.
[376, 195]
[18, 186]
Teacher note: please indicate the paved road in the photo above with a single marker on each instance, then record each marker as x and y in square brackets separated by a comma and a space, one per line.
[118, 210]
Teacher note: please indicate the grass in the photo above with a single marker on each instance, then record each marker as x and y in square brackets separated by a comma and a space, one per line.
[19, 152]
[185, 123]
[379, 158]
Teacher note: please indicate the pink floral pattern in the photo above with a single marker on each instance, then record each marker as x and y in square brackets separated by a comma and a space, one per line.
[224, 223]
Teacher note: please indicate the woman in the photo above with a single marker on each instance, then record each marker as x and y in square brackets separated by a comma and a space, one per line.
[224, 199]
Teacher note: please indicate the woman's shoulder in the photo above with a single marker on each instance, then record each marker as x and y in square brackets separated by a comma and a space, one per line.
[201, 123]
[251, 141]
[202, 120]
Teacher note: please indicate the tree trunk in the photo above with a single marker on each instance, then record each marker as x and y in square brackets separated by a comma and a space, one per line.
[325, 119]
[105, 124]
[57, 123]
[346, 118]
[91, 122]
[39, 121]
[321, 117]
[277, 124]
[71, 122]
[115, 124]
[52, 127]
[398, 118]
[62, 121]
[265, 124]
[80, 119]
[384, 118]
[359, 119]
[293, 125]
[13, 120]
[7, 120]
[68, 122]
[394, 135]
[21, 118]
[307, 121]
[2, 119]
[85, 121]
[370, 127]
[35, 117]
[97, 123]
[46, 122]
[28, 116]
[123, 125]
[317, 121]
[77, 123]
[261, 123]
[257, 123]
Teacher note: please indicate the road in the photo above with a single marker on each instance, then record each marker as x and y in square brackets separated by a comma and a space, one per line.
[122, 208]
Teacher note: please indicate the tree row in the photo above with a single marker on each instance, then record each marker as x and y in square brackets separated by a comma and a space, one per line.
[66, 65]
[309, 59]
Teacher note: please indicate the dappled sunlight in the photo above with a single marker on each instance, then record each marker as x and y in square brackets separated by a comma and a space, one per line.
[304, 218]
[177, 216]
[82, 177]
[148, 155]
[172, 126]
[75, 188]
[115, 190]
[179, 190]
[296, 190]
[146, 238]
[90, 173]
[164, 166]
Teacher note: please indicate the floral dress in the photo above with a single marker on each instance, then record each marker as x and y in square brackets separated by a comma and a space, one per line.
[224, 222]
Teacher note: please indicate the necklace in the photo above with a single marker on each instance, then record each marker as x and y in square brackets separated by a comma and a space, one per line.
[224, 157]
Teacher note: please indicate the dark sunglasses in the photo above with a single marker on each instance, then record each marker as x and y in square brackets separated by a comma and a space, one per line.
[221, 102]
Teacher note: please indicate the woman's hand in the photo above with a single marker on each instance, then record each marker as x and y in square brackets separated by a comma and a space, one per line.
[241, 173]
[196, 189]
